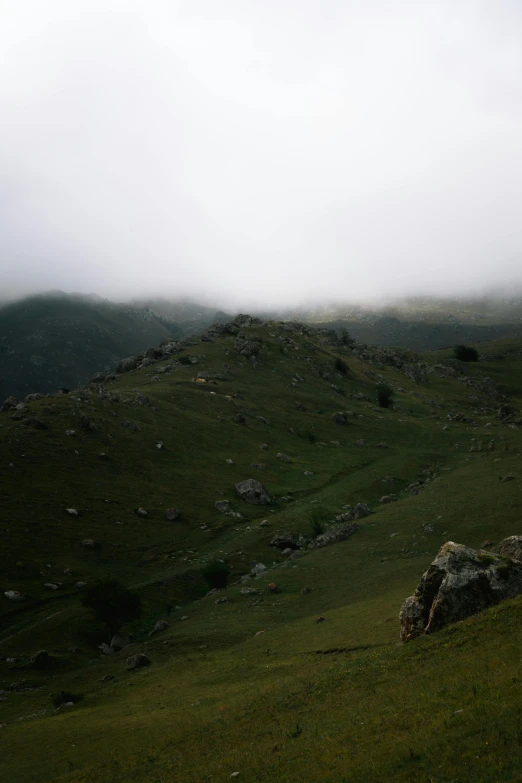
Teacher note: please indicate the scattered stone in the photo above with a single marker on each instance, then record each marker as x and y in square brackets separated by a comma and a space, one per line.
[88, 543]
[388, 499]
[258, 633]
[119, 641]
[71, 433]
[361, 442]
[105, 649]
[73, 512]
[223, 600]
[52, 586]
[161, 625]
[171, 514]
[305, 591]
[308, 473]
[263, 523]
[263, 446]
[106, 678]
[138, 660]
[140, 512]
[283, 457]
[81, 584]
[253, 492]
[361, 510]
[249, 591]
[159, 445]
[287, 551]
[14, 595]
[229, 461]
[460, 582]
[263, 421]
[223, 506]
[258, 568]
[382, 445]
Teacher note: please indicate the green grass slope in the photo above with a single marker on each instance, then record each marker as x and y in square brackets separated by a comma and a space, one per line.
[256, 685]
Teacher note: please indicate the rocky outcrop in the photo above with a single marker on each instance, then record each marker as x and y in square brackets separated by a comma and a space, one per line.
[460, 582]
[288, 541]
[253, 492]
[334, 534]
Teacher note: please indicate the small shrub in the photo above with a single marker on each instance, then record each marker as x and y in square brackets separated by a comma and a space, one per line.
[216, 574]
[384, 395]
[312, 437]
[184, 360]
[65, 696]
[316, 519]
[345, 338]
[340, 365]
[465, 353]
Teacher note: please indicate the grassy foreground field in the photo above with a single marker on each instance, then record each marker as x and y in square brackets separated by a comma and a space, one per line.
[256, 685]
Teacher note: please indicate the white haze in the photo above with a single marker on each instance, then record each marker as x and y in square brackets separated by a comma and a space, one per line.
[261, 151]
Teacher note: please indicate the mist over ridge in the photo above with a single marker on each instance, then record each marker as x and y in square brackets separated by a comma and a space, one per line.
[261, 155]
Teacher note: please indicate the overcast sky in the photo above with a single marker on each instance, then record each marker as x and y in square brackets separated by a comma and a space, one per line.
[260, 151]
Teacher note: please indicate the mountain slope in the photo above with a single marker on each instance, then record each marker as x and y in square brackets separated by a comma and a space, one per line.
[54, 340]
[332, 700]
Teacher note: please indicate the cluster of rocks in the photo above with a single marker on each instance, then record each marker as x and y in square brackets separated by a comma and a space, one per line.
[461, 582]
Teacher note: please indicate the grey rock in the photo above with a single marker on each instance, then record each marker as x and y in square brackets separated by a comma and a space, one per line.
[460, 582]
[249, 591]
[253, 492]
[258, 568]
[361, 510]
[339, 418]
[128, 364]
[120, 640]
[511, 547]
[283, 457]
[161, 625]
[88, 543]
[73, 512]
[223, 506]
[33, 397]
[138, 660]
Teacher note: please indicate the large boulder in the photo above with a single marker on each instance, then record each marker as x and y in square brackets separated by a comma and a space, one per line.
[460, 582]
[253, 492]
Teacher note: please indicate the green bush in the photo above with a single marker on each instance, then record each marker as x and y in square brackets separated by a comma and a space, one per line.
[216, 574]
[465, 353]
[184, 360]
[384, 395]
[112, 603]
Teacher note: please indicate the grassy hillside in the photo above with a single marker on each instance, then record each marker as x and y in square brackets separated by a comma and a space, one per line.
[256, 685]
[54, 340]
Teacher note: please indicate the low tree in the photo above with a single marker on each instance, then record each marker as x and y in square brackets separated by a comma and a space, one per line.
[465, 353]
[345, 338]
[384, 395]
[112, 603]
